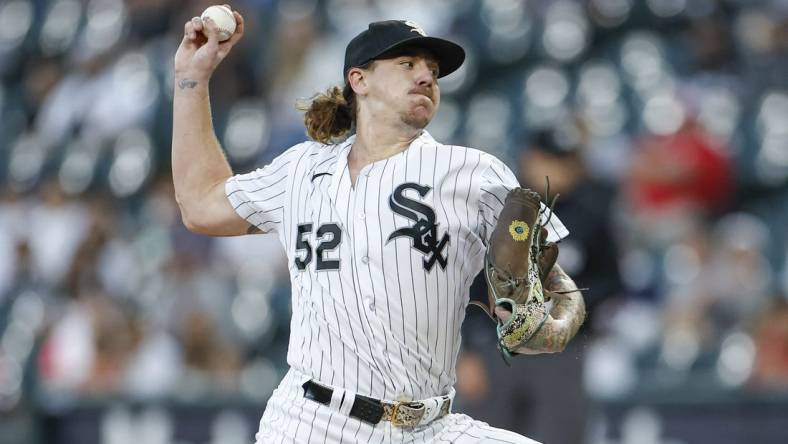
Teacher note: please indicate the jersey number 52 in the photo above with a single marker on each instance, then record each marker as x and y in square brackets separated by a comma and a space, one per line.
[328, 236]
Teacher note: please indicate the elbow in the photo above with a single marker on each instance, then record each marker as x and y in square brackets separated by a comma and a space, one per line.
[191, 223]
[190, 219]
[197, 225]
[207, 220]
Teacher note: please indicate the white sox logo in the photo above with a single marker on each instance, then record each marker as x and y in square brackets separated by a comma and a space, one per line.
[424, 231]
[416, 28]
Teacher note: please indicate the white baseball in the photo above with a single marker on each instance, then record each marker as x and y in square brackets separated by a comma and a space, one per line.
[224, 19]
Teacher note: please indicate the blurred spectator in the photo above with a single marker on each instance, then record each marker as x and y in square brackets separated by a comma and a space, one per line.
[738, 272]
[86, 348]
[712, 43]
[43, 73]
[717, 281]
[85, 264]
[211, 365]
[684, 172]
[116, 335]
[20, 277]
[584, 204]
[771, 342]
[74, 102]
[55, 226]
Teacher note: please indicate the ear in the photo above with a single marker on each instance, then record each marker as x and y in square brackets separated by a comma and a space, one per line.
[357, 79]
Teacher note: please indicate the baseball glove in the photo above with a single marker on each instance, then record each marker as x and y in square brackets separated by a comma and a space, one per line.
[517, 262]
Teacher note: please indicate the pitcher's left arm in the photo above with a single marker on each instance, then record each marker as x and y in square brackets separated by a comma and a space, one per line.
[565, 318]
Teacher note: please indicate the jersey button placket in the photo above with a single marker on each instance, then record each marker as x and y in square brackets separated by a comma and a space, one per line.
[360, 230]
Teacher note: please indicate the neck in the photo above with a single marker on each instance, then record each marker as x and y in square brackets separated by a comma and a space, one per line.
[375, 140]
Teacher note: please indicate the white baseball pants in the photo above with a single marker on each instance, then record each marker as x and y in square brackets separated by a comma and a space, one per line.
[291, 418]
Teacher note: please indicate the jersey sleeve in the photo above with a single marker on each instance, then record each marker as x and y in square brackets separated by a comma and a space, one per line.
[496, 181]
[260, 196]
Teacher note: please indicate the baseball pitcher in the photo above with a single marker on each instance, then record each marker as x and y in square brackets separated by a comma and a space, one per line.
[384, 228]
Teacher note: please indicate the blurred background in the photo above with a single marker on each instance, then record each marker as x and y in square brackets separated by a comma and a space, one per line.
[663, 124]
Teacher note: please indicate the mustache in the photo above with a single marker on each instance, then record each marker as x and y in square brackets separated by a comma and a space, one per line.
[423, 90]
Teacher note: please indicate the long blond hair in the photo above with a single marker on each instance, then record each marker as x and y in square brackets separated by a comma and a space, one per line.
[330, 116]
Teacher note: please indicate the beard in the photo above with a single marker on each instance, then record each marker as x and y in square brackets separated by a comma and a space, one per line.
[415, 120]
[418, 116]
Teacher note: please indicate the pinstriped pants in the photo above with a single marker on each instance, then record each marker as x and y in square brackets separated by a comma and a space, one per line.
[291, 418]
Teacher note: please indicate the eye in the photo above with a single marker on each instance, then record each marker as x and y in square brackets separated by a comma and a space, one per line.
[406, 63]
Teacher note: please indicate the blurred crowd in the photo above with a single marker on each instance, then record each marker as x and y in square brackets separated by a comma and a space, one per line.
[662, 124]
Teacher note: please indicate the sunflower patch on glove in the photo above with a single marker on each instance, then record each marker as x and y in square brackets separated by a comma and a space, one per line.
[518, 260]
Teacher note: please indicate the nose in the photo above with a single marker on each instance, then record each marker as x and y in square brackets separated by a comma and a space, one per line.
[424, 75]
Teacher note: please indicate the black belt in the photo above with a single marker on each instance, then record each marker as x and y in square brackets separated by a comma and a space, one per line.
[372, 411]
[366, 409]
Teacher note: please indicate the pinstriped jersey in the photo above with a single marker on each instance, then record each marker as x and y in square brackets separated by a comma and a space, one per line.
[380, 270]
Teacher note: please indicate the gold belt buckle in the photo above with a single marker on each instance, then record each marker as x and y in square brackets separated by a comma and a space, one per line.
[408, 419]
[394, 416]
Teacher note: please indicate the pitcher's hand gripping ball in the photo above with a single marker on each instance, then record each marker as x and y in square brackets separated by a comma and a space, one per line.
[224, 19]
[517, 262]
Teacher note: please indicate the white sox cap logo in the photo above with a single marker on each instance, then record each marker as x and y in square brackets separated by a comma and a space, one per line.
[416, 28]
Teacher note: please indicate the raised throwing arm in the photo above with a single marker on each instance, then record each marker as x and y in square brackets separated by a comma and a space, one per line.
[199, 167]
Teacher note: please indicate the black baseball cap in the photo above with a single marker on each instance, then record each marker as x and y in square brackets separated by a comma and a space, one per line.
[387, 36]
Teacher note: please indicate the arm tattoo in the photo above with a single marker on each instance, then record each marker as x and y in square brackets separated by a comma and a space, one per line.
[558, 280]
[253, 230]
[187, 83]
[566, 316]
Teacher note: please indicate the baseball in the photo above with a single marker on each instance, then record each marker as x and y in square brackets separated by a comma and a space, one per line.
[224, 19]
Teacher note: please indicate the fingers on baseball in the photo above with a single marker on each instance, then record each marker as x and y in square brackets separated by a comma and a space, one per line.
[188, 31]
[239, 30]
[225, 46]
[238, 18]
[239, 22]
[193, 32]
[194, 28]
[198, 23]
[211, 30]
